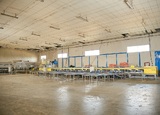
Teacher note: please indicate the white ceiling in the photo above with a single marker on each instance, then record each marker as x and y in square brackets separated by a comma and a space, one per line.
[45, 22]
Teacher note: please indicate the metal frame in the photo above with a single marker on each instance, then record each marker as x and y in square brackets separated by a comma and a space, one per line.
[97, 59]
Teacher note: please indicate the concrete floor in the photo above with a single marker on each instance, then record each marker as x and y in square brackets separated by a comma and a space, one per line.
[25, 94]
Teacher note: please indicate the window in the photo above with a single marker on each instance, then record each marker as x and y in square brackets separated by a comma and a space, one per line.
[43, 57]
[63, 55]
[141, 48]
[92, 53]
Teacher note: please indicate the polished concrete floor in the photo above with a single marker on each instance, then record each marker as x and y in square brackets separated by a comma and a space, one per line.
[25, 94]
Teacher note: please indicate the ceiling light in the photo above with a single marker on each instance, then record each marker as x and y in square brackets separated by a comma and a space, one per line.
[125, 35]
[57, 45]
[48, 43]
[82, 18]
[9, 15]
[81, 35]
[35, 34]
[14, 42]
[40, 0]
[54, 27]
[62, 40]
[24, 39]
[81, 42]
[128, 4]
[108, 30]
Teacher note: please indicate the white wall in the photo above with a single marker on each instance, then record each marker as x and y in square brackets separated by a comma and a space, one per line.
[115, 47]
[50, 55]
[7, 55]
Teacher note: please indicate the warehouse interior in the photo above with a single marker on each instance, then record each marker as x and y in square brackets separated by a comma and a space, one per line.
[67, 57]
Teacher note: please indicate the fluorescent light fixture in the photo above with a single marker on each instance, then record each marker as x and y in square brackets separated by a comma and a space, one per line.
[35, 34]
[63, 55]
[9, 15]
[54, 27]
[141, 48]
[81, 35]
[92, 53]
[24, 39]
[108, 30]
[128, 4]
[82, 18]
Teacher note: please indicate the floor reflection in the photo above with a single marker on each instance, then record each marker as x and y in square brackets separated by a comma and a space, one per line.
[92, 105]
[140, 99]
[63, 97]
[89, 87]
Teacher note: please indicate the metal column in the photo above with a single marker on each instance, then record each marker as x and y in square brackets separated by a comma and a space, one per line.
[139, 59]
[127, 57]
[81, 61]
[97, 61]
[106, 61]
[68, 61]
[116, 59]
[62, 62]
[75, 61]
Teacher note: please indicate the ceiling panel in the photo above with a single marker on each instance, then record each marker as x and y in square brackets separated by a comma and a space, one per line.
[39, 23]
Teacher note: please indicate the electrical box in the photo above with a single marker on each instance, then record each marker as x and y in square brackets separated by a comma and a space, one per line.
[150, 70]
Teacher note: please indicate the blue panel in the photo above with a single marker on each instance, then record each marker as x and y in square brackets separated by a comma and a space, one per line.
[157, 59]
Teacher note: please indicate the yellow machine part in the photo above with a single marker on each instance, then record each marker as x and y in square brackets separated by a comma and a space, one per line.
[49, 69]
[40, 69]
[150, 70]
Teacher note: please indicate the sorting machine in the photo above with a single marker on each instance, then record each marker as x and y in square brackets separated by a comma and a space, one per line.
[6, 67]
[106, 73]
[23, 67]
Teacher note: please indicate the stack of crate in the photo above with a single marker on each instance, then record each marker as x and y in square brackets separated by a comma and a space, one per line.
[112, 65]
[124, 64]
